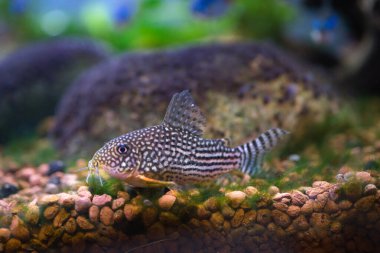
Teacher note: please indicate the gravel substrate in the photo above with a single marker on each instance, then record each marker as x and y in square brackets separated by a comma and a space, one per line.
[326, 217]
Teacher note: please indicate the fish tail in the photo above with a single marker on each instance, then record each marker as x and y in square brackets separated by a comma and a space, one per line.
[254, 151]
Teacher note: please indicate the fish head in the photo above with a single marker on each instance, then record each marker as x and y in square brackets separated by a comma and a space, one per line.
[120, 158]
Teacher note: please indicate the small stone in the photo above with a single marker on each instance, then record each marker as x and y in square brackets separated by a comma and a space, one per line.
[228, 212]
[320, 220]
[131, 211]
[84, 193]
[202, 212]
[117, 203]
[118, 216]
[353, 190]
[166, 202]
[156, 231]
[331, 207]
[293, 211]
[336, 227]
[56, 166]
[106, 216]
[61, 218]
[370, 189]
[32, 214]
[101, 200]
[5, 234]
[298, 198]
[238, 218]
[169, 219]
[251, 191]
[364, 177]
[211, 204]
[217, 220]
[301, 223]
[249, 218]
[149, 216]
[25, 173]
[82, 204]
[66, 200]
[280, 206]
[36, 180]
[124, 195]
[13, 245]
[70, 226]
[93, 213]
[51, 211]
[280, 218]
[8, 189]
[273, 190]
[280, 196]
[313, 192]
[49, 199]
[18, 229]
[55, 180]
[264, 216]
[84, 224]
[345, 204]
[365, 203]
[235, 198]
[51, 188]
[308, 207]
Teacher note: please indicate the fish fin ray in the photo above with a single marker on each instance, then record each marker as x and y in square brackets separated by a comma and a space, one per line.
[182, 113]
[254, 151]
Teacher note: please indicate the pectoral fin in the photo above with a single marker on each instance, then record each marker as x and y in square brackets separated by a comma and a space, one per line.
[144, 181]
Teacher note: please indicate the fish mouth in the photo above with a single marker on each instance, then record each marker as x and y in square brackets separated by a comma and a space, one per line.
[94, 166]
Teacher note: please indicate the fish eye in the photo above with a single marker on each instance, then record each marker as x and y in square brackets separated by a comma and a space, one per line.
[122, 149]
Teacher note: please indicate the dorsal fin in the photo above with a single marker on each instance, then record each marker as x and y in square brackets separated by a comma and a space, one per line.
[182, 113]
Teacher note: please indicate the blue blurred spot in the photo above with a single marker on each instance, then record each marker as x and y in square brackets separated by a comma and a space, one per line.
[331, 22]
[17, 6]
[210, 8]
[123, 12]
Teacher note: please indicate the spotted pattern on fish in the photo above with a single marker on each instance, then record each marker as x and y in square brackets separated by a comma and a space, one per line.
[175, 151]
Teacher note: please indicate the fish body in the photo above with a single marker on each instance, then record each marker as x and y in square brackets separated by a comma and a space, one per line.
[174, 152]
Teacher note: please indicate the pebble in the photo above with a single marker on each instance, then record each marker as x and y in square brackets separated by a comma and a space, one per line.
[49, 199]
[238, 218]
[60, 218]
[8, 189]
[298, 198]
[36, 180]
[12, 245]
[166, 202]
[56, 166]
[156, 231]
[51, 211]
[280, 206]
[202, 212]
[345, 204]
[149, 216]
[320, 220]
[249, 218]
[169, 219]
[117, 203]
[18, 229]
[370, 189]
[5, 234]
[301, 223]
[211, 204]
[280, 218]
[293, 211]
[106, 215]
[51, 188]
[118, 216]
[280, 196]
[32, 214]
[124, 195]
[235, 198]
[82, 204]
[364, 177]
[93, 213]
[307, 208]
[227, 211]
[101, 200]
[365, 203]
[331, 207]
[131, 211]
[273, 190]
[251, 191]
[66, 200]
[84, 224]
[217, 220]
[70, 226]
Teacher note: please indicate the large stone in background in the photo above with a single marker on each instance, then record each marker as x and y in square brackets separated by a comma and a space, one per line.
[242, 89]
[33, 78]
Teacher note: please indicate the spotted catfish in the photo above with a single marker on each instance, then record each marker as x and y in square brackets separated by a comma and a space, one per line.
[174, 152]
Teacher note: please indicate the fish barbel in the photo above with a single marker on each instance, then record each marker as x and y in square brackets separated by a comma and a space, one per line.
[174, 152]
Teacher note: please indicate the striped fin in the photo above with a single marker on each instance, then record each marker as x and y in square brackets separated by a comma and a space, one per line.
[254, 151]
[182, 113]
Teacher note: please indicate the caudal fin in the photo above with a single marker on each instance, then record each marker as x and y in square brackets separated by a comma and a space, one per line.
[254, 151]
